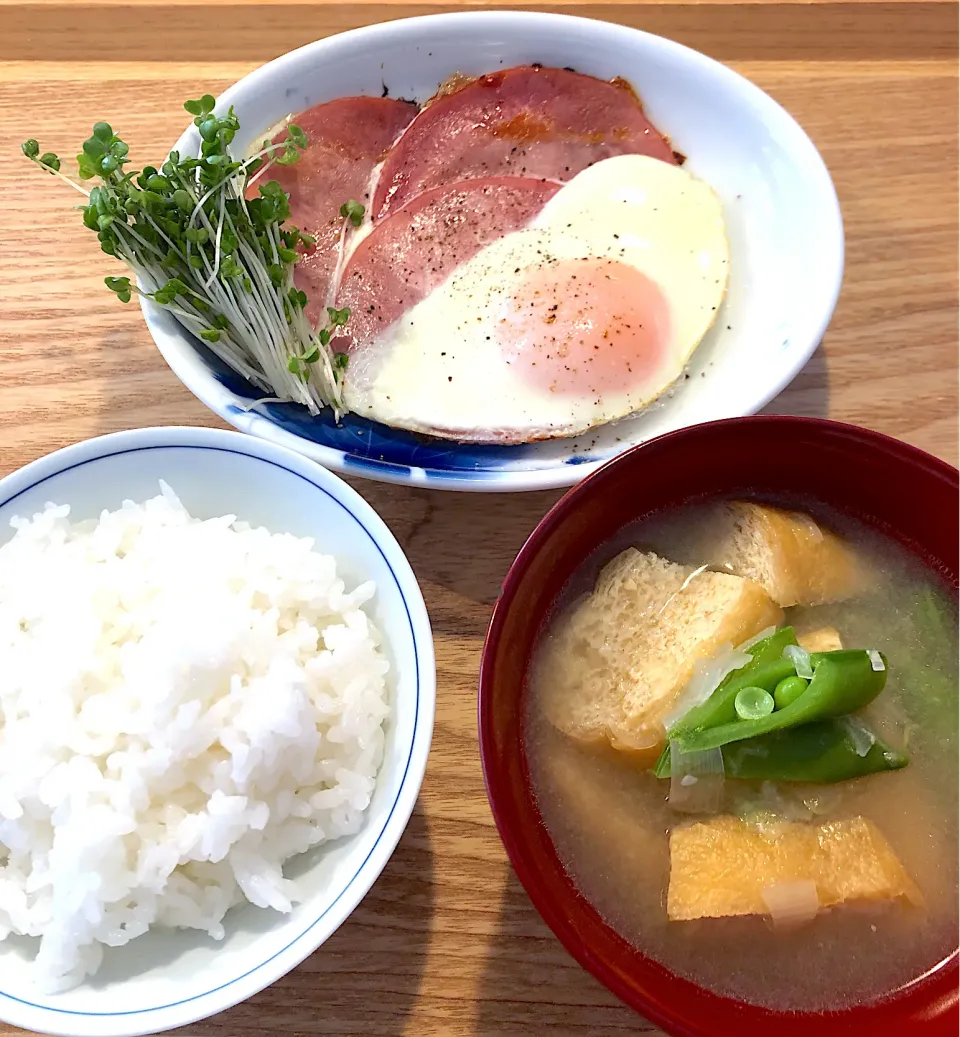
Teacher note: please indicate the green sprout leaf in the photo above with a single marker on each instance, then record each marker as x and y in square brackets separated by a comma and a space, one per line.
[119, 285]
[229, 267]
[352, 211]
[94, 148]
[174, 287]
[201, 107]
[208, 130]
[289, 156]
[86, 168]
[297, 135]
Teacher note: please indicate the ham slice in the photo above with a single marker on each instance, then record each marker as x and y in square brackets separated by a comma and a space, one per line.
[406, 256]
[529, 121]
[347, 140]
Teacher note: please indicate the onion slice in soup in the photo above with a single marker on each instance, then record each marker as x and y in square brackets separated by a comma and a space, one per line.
[792, 903]
[756, 639]
[876, 660]
[800, 660]
[696, 781]
[707, 677]
[862, 738]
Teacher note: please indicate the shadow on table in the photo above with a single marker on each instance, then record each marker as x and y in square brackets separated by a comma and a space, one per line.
[531, 985]
[808, 394]
[463, 543]
[367, 976]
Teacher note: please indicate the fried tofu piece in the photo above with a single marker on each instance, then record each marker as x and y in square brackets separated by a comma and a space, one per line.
[793, 558]
[721, 867]
[825, 639]
[619, 660]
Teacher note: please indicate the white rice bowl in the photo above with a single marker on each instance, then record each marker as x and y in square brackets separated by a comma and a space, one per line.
[184, 705]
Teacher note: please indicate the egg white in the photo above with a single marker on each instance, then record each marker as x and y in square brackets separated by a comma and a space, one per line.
[439, 368]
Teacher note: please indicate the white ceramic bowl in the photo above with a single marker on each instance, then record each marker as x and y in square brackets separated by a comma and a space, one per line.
[167, 979]
[781, 210]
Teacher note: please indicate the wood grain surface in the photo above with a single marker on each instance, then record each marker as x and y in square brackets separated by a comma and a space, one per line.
[447, 942]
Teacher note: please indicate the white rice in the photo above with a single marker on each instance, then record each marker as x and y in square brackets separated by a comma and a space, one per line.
[184, 705]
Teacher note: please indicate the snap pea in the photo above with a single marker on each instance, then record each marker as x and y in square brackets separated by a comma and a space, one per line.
[842, 683]
[821, 752]
[765, 670]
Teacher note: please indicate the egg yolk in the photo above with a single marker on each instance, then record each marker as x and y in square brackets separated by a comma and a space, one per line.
[584, 326]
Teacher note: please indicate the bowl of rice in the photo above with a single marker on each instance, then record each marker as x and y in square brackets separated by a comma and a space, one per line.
[216, 706]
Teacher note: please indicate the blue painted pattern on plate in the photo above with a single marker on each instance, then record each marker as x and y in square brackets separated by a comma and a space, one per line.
[366, 443]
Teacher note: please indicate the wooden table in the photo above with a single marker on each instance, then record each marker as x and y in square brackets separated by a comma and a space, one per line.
[447, 942]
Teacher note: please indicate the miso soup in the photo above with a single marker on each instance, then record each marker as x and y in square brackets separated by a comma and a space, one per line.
[877, 921]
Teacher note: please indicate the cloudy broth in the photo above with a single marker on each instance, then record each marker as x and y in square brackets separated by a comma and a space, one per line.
[610, 821]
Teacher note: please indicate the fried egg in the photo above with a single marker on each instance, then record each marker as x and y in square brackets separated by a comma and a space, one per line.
[587, 314]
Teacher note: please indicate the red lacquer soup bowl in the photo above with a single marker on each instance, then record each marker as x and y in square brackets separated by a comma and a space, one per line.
[884, 483]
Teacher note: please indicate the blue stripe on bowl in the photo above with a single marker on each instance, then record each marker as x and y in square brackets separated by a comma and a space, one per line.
[406, 769]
